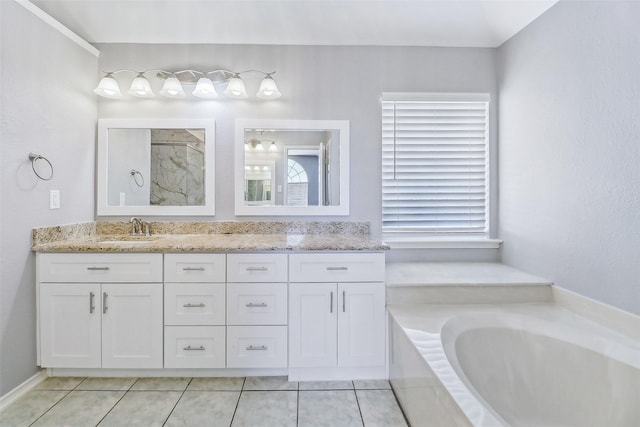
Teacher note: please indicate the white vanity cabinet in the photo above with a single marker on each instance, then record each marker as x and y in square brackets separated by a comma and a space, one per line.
[92, 314]
[194, 310]
[337, 316]
[257, 310]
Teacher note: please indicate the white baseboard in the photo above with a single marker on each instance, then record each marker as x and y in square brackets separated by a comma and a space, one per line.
[22, 389]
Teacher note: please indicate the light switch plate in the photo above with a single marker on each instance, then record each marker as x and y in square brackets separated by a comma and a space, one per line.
[54, 199]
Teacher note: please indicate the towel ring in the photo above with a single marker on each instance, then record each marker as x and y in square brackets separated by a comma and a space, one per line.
[34, 158]
[135, 174]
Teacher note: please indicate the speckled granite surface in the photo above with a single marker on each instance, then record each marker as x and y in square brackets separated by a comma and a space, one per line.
[208, 237]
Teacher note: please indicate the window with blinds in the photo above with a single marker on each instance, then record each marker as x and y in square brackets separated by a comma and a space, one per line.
[435, 171]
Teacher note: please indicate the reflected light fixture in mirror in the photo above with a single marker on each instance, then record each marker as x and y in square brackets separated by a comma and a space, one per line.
[205, 84]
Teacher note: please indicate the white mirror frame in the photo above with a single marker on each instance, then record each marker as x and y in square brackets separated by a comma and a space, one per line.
[241, 209]
[103, 209]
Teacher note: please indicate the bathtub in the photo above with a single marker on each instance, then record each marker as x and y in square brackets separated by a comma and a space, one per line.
[511, 365]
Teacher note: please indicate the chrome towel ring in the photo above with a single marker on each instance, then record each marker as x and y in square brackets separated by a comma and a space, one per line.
[135, 174]
[34, 159]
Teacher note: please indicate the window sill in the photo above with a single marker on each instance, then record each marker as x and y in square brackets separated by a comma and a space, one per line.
[397, 243]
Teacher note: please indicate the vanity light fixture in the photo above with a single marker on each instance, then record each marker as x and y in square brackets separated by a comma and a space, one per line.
[140, 87]
[268, 88]
[272, 147]
[236, 88]
[172, 88]
[205, 89]
[108, 87]
[174, 82]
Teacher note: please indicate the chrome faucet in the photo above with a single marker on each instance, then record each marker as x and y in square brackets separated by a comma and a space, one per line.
[136, 226]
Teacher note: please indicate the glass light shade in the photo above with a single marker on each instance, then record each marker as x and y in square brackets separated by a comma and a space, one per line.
[205, 89]
[172, 88]
[108, 87]
[273, 147]
[236, 88]
[268, 89]
[141, 88]
[258, 146]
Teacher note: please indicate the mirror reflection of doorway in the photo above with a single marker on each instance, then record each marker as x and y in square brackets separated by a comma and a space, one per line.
[304, 184]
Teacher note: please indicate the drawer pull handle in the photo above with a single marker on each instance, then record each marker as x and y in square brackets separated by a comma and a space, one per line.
[193, 305]
[92, 306]
[337, 268]
[189, 348]
[105, 307]
[251, 305]
[193, 268]
[256, 269]
[98, 268]
[262, 347]
[344, 299]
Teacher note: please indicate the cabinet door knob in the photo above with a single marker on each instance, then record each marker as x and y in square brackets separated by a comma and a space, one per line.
[189, 348]
[251, 305]
[193, 305]
[262, 347]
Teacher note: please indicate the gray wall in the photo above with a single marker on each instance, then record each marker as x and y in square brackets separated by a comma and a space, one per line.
[48, 108]
[317, 82]
[570, 149]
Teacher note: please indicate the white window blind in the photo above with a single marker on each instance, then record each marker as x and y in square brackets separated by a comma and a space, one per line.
[435, 166]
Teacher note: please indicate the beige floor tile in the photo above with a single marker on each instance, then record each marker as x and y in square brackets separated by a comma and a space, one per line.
[217, 384]
[60, 383]
[269, 383]
[115, 384]
[328, 409]
[142, 408]
[380, 409]
[80, 408]
[266, 409]
[161, 384]
[204, 408]
[29, 407]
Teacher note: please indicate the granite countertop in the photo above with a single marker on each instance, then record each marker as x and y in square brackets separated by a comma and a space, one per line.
[202, 237]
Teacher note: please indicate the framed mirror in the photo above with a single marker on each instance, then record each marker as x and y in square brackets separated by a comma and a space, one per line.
[156, 167]
[291, 167]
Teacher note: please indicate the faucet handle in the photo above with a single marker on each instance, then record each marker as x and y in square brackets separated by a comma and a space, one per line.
[147, 226]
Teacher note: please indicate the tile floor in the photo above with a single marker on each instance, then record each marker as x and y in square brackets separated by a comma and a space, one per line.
[251, 401]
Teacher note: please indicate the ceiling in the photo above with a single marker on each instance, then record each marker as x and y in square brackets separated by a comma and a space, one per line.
[473, 23]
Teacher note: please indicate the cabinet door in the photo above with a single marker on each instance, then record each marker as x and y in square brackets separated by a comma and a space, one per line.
[312, 324]
[361, 324]
[132, 325]
[70, 325]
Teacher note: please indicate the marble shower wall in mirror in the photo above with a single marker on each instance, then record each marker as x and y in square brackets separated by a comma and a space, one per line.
[177, 167]
[155, 166]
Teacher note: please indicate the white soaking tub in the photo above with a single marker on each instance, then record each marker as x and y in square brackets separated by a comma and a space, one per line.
[511, 365]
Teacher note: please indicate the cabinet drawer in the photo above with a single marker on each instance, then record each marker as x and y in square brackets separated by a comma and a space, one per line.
[337, 267]
[256, 267]
[194, 303]
[100, 267]
[194, 346]
[256, 346]
[194, 268]
[257, 304]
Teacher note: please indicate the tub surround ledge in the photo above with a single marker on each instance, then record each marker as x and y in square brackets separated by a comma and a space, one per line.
[169, 236]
